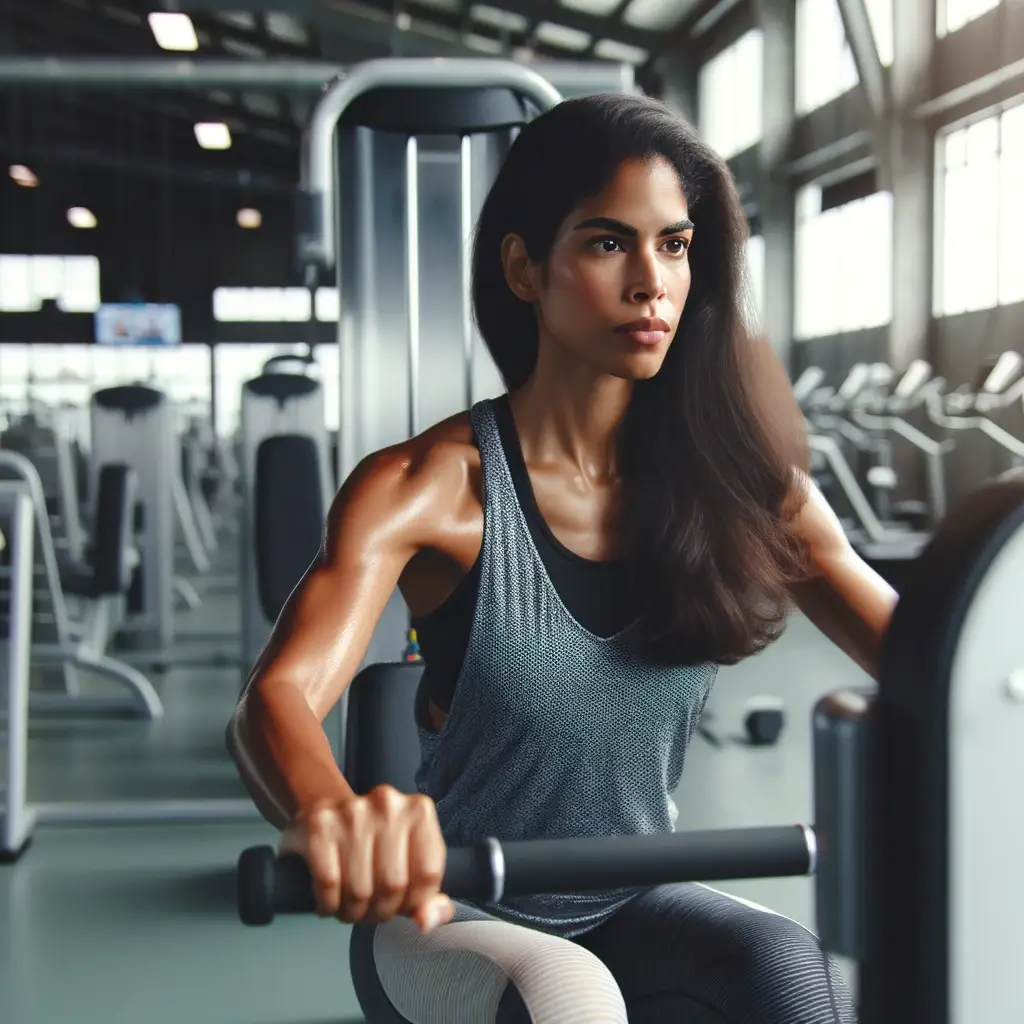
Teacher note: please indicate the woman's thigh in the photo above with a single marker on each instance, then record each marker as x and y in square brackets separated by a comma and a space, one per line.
[688, 954]
[479, 970]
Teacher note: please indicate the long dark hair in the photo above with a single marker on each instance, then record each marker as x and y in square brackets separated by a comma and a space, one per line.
[709, 446]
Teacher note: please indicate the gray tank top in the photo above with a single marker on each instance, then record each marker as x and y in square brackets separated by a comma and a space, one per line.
[552, 732]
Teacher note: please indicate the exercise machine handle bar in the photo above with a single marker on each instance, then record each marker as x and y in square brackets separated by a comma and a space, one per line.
[491, 871]
[917, 374]
[318, 155]
[807, 383]
[855, 381]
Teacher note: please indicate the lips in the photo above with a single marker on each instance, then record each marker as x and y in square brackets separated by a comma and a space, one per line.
[648, 325]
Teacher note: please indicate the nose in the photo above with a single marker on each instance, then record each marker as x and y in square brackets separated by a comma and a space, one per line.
[648, 283]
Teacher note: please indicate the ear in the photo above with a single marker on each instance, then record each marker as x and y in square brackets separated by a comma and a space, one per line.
[520, 270]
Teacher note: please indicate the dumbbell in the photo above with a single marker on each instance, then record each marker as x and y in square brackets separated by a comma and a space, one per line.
[764, 719]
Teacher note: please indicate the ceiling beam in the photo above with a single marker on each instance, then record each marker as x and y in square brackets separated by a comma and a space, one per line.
[536, 11]
[871, 75]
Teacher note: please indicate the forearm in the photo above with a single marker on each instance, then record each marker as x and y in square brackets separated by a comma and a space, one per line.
[283, 754]
[855, 619]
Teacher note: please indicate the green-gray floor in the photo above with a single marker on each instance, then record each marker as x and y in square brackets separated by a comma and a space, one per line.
[137, 924]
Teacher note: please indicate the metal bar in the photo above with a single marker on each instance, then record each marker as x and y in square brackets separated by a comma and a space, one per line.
[709, 19]
[17, 820]
[842, 151]
[27, 472]
[466, 209]
[130, 812]
[114, 73]
[101, 73]
[857, 26]
[1001, 436]
[413, 72]
[412, 278]
[1006, 75]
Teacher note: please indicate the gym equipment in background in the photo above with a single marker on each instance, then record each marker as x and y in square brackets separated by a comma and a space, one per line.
[1000, 385]
[22, 525]
[134, 425]
[62, 642]
[50, 450]
[286, 488]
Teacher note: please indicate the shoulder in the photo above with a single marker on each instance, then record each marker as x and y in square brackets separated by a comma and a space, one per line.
[417, 483]
[436, 459]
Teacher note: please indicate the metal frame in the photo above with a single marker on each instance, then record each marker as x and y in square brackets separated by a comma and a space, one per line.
[32, 436]
[319, 165]
[20, 816]
[18, 819]
[84, 647]
[320, 181]
[466, 216]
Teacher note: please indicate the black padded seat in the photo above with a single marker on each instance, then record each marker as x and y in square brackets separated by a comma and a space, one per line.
[289, 502]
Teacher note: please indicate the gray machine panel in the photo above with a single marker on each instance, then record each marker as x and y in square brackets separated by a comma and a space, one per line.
[986, 822]
[144, 438]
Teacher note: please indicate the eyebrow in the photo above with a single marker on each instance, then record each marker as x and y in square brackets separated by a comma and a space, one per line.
[620, 228]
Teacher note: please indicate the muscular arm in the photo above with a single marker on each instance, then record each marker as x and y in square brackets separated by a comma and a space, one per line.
[383, 515]
[845, 598]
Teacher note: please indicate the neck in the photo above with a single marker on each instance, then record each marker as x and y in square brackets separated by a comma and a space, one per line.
[569, 415]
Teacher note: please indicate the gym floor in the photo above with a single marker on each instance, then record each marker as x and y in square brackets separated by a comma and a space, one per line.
[137, 924]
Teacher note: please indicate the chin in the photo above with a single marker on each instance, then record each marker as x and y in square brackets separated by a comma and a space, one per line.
[641, 367]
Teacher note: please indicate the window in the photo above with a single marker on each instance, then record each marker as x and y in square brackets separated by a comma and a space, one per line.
[843, 266]
[1011, 206]
[329, 358]
[825, 68]
[26, 282]
[980, 215]
[952, 15]
[730, 96]
[274, 305]
[64, 377]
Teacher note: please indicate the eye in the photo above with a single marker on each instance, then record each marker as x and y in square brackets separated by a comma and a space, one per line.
[605, 244]
[677, 246]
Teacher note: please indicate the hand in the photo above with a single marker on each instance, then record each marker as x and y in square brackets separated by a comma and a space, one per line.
[373, 857]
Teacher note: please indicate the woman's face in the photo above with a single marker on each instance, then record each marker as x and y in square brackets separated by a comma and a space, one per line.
[614, 286]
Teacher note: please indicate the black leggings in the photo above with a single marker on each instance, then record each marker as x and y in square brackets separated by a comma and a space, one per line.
[686, 954]
[675, 954]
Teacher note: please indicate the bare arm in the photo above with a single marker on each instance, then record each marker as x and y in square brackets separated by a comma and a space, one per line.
[381, 517]
[846, 599]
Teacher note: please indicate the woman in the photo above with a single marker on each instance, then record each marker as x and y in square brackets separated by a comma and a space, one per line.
[579, 556]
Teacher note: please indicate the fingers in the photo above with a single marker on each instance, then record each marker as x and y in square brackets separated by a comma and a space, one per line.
[426, 866]
[357, 863]
[374, 857]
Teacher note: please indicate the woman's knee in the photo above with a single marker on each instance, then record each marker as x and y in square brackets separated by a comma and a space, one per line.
[789, 975]
[493, 972]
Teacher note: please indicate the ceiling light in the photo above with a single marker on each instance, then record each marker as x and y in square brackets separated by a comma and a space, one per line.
[214, 135]
[249, 218]
[403, 21]
[23, 176]
[81, 217]
[173, 31]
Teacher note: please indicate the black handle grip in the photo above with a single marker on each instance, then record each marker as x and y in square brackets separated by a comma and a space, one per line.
[270, 885]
